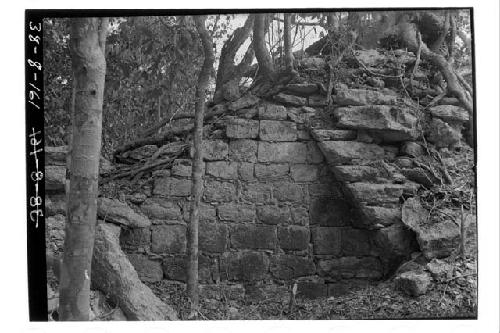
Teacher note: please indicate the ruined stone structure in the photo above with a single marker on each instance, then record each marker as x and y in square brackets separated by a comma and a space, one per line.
[289, 196]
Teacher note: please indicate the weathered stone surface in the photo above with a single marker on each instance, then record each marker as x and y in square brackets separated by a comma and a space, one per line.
[350, 267]
[375, 82]
[290, 99]
[288, 267]
[174, 268]
[272, 112]
[161, 209]
[244, 102]
[344, 152]
[326, 240]
[246, 171]
[413, 283]
[181, 168]
[270, 171]
[214, 150]
[282, 152]
[274, 130]
[329, 212]
[206, 212]
[420, 176]
[371, 57]
[136, 238]
[235, 212]
[300, 215]
[222, 169]
[213, 237]
[293, 238]
[382, 216]
[115, 211]
[376, 193]
[221, 291]
[244, 266]
[317, 101]
[436, 240]
[55, 178]
[325, 189]
[304, 172]
[273, 214]
[216, 191]
[250, 236]
[142, 153]
[333, 135]
[450, 113]
[114, 275]
[55, 155]
[341, 288]
[257, 192]
[302, 89]
[356, 242]
[439, 269]
[289, 192]
[390, 123]
[148, 270]
[55, 204]
[242, 128]
[243, 150]
[356, 173]
[55, 228]
[170, 186]
[137, 198]
[442, 134]
[311, 289]
[314, 154]
[412, 149]
[363, 97]
[168, 238]
[247, 113]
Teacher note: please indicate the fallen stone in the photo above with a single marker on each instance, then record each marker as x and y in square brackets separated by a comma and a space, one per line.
[114, 275]
[442, 134]
[290, 99]
[439, 269]
[389, 123]
[450, 113]
[371, 57]
[363, 97]
[394, 244]
[333, 135]
[412, 149]
[413, 283]
[115, 211]
[302, 89]
[244, 102]
[344, 152]
[420, 176]
[375, 215]
[436, 240]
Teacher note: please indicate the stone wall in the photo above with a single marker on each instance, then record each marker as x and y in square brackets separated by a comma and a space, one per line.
[271, 211]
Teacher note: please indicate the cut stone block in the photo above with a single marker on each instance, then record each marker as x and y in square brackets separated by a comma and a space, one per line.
[270, 171]
[256, 237]
[274, 130]
[242, 128]
[363, 97]
[344, 152]
[282, 152]
[288, 267]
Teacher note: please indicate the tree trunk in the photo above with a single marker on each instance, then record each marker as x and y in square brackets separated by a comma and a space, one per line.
[288, 42]
[266, 67]
[89, 68]
[227, 71]
[197, 170]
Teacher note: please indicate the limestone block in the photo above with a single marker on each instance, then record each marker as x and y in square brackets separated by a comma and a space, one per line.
[169, 238]
[274, 130]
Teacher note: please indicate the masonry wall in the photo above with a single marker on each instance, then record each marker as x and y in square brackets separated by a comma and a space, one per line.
[271, 211]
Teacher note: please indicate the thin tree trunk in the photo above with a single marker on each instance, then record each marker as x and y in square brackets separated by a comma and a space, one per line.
[266, 67]
[89, 68]
[197, 170]
[288, 42]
